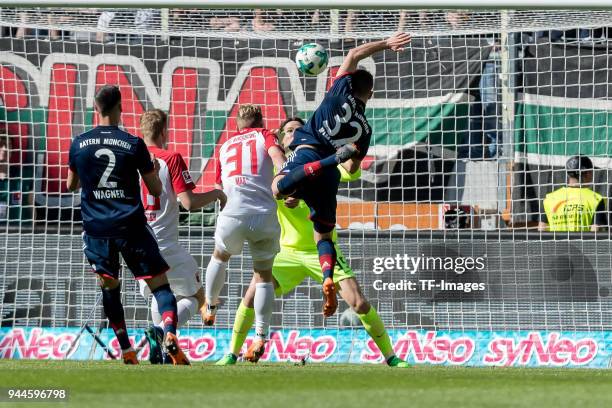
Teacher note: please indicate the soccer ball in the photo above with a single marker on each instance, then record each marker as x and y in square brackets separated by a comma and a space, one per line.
[311, 59]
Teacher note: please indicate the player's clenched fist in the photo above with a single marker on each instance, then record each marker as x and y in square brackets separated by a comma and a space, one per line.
[221, 197]
[156, 165]
[398, 41]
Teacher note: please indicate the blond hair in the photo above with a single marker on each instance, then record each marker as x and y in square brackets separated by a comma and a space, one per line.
[152, 123]
[249, 115]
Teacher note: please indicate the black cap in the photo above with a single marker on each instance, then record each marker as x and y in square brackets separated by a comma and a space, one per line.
[107, 98]
[576, 164]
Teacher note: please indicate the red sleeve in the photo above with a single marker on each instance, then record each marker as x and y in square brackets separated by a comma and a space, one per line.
[343, 75]
[179, 174]
[269, 139]
[217, 169]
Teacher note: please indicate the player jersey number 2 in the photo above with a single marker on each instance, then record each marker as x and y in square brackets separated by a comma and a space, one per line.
[104, 183]
[236, 153]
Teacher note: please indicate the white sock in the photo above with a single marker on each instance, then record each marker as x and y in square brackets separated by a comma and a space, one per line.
[264, 304]
[155, 315]
[185, 308]
[215, 279]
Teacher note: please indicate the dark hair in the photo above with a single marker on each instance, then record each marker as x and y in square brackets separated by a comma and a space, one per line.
[291, 119]
[281, 133]
[107, 98]
[577, 164]
[362, 82]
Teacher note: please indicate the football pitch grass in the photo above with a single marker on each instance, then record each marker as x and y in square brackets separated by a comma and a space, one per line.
[114, 385]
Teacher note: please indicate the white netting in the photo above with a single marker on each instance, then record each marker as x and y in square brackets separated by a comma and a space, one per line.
[300, 24]
[477, 116]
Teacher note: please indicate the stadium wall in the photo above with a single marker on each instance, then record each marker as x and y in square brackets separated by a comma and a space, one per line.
[47, 93]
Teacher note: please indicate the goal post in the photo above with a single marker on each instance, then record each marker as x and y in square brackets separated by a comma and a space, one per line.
[472, 125]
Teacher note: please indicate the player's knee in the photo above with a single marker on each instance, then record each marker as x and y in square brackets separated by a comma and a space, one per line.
[321, 236]
[156, 281]
[106, 282]
[221, 255]
[360, 305]
[249, 297]
[262, 269]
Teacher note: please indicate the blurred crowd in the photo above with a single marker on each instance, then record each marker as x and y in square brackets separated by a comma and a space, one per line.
[261, 20]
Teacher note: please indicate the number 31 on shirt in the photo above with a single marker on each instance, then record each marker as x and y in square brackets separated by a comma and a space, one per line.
[235, 155]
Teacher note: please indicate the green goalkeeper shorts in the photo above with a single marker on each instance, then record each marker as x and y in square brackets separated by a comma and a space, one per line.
[291, 267]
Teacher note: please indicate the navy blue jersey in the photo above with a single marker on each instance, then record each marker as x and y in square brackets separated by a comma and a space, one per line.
[108, 161]
[339, 120]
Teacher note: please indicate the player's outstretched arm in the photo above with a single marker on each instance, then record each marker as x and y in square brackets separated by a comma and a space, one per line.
[396, 43]
[278, 156]
[73, 182]
[194, 201]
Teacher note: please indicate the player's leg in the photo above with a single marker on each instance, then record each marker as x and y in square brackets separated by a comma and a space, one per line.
[321, 198]
[229, 239]
[142, 255]
[288, 271]
[216, 273]
[351, 293]
[186, 307]
[184, 280]
[309, 165]
[113, 308]
[263, 235]
[263, 304]
[103, 256]
[167, 306]
[245, 317]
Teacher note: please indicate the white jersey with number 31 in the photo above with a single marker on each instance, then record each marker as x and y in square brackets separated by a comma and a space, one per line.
[245, 170]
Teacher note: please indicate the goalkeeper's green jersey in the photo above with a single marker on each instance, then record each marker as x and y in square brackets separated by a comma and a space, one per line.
[296, 227]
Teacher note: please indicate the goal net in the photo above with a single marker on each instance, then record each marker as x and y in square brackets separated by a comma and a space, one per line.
[472, 126]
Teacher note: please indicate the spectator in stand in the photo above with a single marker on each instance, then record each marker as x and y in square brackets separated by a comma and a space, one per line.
[418, 18]
[104, 22]
[146, 20]
[226, 23]
[22, 31]
[91, 15]
[575, 207]
[457, 19]
[265, 20]
[370, 21]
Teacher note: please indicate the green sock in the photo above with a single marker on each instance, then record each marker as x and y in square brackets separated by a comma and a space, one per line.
[376, 329]
[245, 316]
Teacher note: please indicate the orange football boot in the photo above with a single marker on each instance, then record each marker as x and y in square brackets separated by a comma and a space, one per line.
[129, 357]
[174, 351]
[255, 350]
[331, 301]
